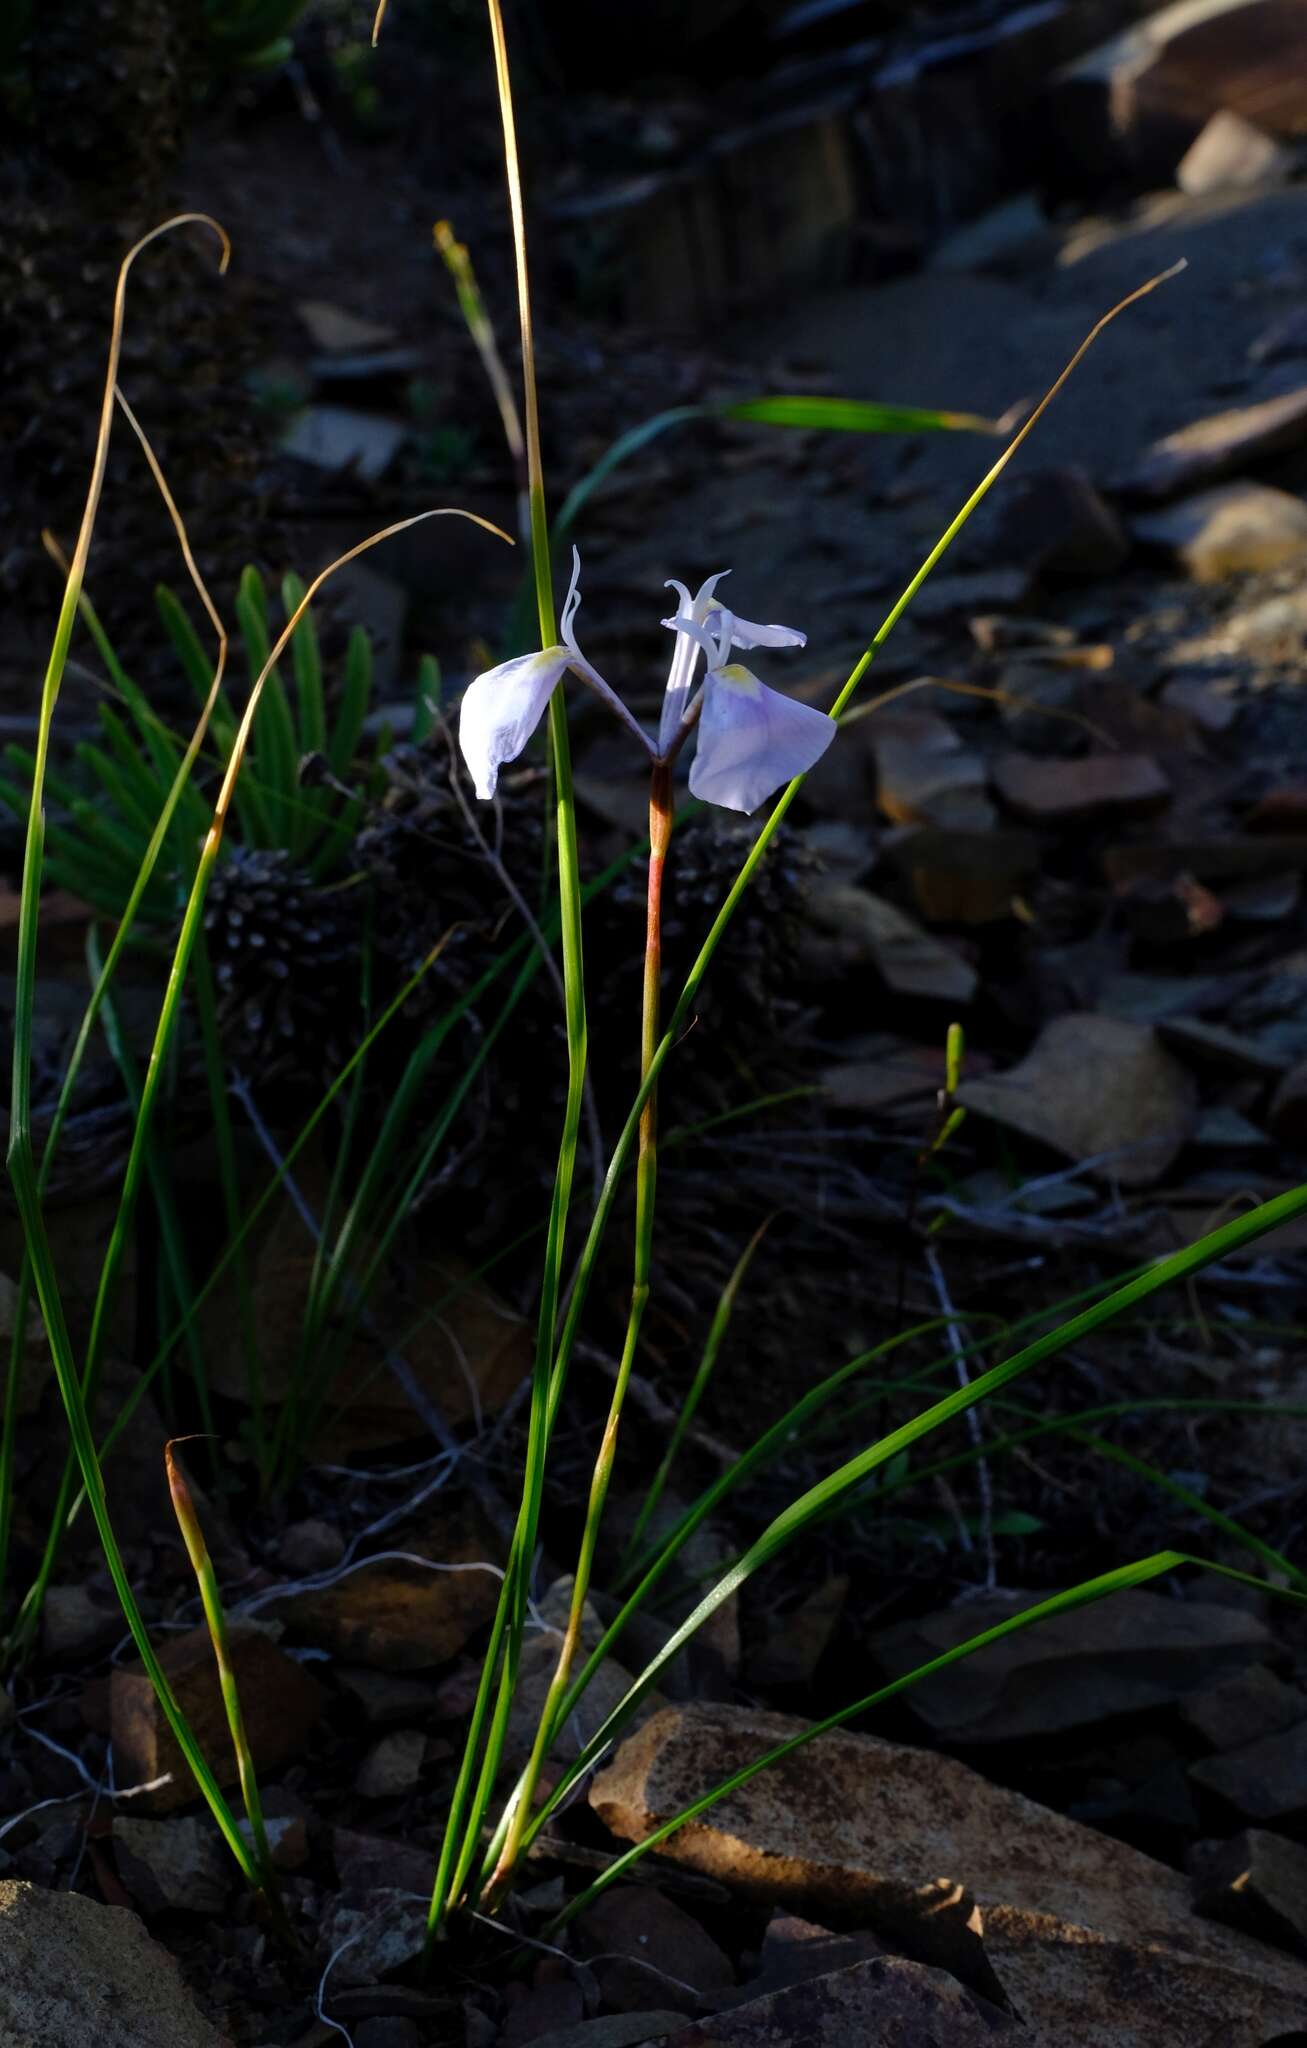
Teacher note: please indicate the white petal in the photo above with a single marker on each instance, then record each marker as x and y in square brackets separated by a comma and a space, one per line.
[752, 739]
[690, 637]
[502, 708]
[570, 603]
[745, 634]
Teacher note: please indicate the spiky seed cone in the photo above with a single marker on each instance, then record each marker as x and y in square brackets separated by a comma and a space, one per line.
[285, 959]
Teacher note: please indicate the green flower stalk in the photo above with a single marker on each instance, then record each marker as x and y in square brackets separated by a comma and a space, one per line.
[646, 1178]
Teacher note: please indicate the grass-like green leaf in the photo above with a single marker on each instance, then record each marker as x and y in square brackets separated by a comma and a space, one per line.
[852, 416]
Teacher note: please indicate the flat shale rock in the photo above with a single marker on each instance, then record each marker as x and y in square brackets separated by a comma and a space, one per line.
[963, 876]
[646, 1946]
[397, 1616]
[924, 774]
[280, 1703]
[1136, 103]
[885, 2002]
[77, 1975]
[1136, 1652]
[1070, 1987]
[1057, 792]
[1095, 1087]
[1231, 154]
[1211, 449]
[1011, 1898]
[181, 1865]
[1233, 530]
[1258, 1882]
[1263, 1781]
[370, 1934]
[867, 931]
[393, 1765]
[1243, 1707]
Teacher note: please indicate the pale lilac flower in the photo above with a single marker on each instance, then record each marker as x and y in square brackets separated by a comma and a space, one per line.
[751, 739]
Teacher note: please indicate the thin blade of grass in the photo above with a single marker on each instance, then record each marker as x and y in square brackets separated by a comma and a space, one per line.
[698, 1387]
[20, 1160]
[852, 416]
[1217, 1244]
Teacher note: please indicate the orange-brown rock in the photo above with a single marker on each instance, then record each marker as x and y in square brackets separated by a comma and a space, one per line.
[280, 1704]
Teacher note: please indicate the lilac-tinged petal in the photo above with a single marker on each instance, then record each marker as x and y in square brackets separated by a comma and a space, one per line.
[502, 708]
[752, 740]
[745, 634]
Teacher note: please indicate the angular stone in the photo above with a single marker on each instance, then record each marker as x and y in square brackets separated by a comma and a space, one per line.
[965, 877]
[1134, 1993]
[938, 1862]
[897, 1072]
[370, 1934]
[924, 775]
[1257, 1882]
[309, 1547]
[1215, 1045]
[1065, 792]
[388, 1698]
[394, 1616]
[646, 1946]
[1009, 237]
[1242, 1708]
[392, 1767]
[884, 2002]
[1134, 104]
[288, 1839]
[280, 1704]
[332, 328]
[1265, 1780]
[1234, 529]
[336, 437]
[1130, 1654]
[794, 1949]
[869, 932]
[1208, 450]
[78, 1625]
[1231, 154]
[1095, 1088]
[173, 1865]
[73, 1974]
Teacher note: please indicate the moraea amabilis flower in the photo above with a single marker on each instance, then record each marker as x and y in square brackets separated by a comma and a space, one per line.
[751, 739]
